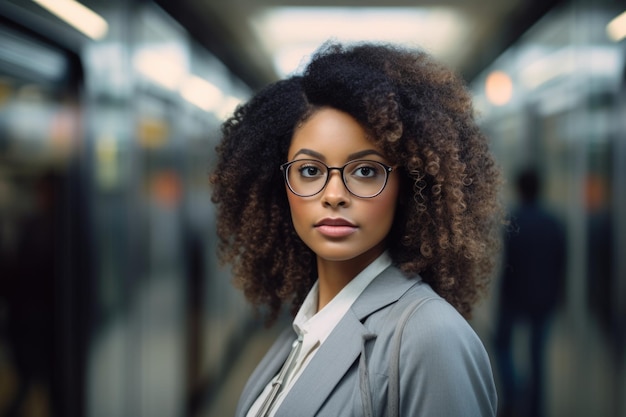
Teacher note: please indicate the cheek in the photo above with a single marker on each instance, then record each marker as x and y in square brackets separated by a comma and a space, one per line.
[381, 215]
[384, 212]
[297, 209]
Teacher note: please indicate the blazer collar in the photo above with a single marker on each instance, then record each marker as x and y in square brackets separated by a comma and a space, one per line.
[385, 289]
[337, 354]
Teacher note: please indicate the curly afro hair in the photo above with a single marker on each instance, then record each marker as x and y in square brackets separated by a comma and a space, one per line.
[420, 114]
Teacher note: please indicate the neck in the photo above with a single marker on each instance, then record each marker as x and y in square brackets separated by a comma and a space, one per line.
[333, 276]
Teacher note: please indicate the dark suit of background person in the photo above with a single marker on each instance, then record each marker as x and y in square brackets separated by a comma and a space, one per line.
[29, 292]
[533, 274]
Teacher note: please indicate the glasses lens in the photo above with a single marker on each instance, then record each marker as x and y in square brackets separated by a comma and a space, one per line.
[365, 178]
[306, 177]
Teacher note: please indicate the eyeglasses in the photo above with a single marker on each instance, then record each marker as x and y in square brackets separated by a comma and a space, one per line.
[362, 178]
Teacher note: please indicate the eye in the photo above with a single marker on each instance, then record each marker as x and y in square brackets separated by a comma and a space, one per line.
[364, 170]
[310, 170]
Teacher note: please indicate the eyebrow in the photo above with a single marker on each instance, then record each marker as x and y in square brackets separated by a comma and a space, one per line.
[352, 156]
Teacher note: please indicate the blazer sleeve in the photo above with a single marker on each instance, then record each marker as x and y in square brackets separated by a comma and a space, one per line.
[444, 368]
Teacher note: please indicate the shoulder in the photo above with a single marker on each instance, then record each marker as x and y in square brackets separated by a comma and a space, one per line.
[443, 365]
[433, 322]
[426, 322]
[408, 306]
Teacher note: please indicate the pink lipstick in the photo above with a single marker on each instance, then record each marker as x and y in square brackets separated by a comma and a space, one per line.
[335, 227]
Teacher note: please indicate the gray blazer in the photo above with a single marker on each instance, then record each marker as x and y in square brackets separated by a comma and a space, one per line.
[444, 368]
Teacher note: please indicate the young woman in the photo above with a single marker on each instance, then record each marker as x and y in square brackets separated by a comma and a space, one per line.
[363, 195]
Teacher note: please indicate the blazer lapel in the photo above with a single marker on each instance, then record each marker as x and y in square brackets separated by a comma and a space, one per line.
[343, 346]
[329, 364]
[266, 370]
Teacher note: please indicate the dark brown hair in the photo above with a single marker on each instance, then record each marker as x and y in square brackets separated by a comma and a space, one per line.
[420, 114]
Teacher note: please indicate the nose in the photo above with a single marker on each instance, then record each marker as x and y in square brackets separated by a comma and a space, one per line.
[335, 193]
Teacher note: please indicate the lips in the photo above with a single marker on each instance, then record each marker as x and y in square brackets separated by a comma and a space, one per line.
[335, 227]
[334, 222]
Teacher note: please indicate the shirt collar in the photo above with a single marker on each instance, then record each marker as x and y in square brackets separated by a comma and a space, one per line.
[320, 324]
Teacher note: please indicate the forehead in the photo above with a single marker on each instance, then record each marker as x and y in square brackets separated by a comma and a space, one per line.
[331, 133]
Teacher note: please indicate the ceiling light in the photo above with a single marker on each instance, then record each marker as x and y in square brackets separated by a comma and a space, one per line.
[201, 93]
[78, 16]
[291, 34]
[164, 64]
[616, 29]
[228, 106]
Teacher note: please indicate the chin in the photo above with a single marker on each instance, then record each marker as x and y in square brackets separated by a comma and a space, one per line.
[346, 255]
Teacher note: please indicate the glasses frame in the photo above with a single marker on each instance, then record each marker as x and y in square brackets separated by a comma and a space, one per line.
[284, 168]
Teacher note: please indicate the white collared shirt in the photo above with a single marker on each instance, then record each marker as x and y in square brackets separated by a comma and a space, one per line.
[315, 326]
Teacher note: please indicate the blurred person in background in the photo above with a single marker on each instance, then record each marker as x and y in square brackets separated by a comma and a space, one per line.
[532, 280]
[599, 250]
[29, 292]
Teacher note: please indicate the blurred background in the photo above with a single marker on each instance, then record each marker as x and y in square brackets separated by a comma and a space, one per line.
[112, 302]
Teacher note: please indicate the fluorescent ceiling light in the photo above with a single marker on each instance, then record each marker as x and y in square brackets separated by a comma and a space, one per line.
[616, 29]
[227, 107]
[201, 93]
[163, 64]
[291, 34]
[80, 17]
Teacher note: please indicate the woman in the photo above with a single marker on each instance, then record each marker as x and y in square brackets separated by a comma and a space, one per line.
[363, 195]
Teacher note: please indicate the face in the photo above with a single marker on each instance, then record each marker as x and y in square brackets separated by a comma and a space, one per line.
[335, 224]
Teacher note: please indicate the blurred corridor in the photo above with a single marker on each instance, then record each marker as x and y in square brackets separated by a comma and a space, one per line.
[112, 302]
